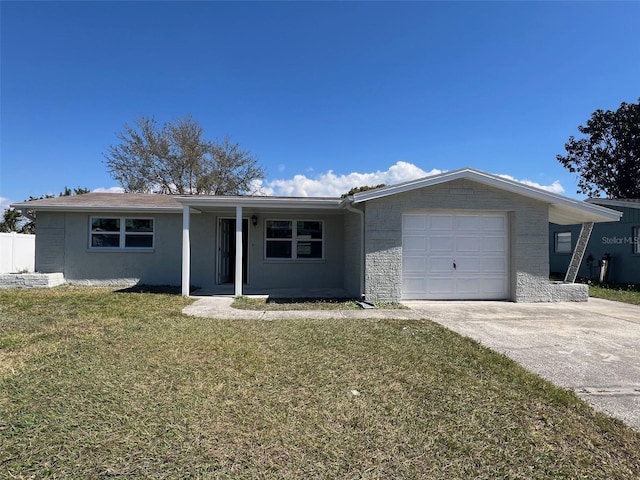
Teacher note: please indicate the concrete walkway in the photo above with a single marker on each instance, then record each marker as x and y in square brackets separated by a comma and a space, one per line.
[592, 348]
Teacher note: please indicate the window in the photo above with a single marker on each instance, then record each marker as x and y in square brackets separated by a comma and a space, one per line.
[293, 239]
[635, 239]
[121, 233]
[563, 242]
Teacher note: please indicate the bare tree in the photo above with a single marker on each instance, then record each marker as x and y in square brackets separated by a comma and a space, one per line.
[176, 159]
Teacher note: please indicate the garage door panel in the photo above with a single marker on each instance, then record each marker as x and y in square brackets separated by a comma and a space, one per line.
[468, 286]
[496, 223]
[467, 244]
[477, 244]
[437, 265]
[440, 222]
[415, 222]
[468, 222]
[411, 265]
[494, 287]
[494, 244]
[494, 265]
[415, 287]
[440, 286]
[414, 243]
[469, 265]
[440, 244]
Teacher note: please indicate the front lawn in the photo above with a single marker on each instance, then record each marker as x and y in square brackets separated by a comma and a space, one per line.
[99, 384]
[282, 304]
[619, 293]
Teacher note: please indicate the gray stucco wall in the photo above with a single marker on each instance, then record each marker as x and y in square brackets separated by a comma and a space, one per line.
[352, 254]
[202, 232]
[161, 266]
[50, 231]
[62, 245]
[325, 273]
[614, 238]
[528, 226]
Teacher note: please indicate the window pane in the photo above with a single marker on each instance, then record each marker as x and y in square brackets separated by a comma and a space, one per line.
[563, 242]
[105, 240]
[279, 229]
[636, 239]
[278, 249]
[309, 250]
[105, 224]
[139, 225]
[307, 230]
[138, 241]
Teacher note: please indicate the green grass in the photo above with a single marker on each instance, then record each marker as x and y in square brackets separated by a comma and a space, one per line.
[97, 384]
[281, 304]
[619, 293]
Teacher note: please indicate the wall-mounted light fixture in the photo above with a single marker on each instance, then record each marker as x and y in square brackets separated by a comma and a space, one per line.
[254, 220]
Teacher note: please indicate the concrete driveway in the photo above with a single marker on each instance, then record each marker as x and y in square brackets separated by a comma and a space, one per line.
[592, 348]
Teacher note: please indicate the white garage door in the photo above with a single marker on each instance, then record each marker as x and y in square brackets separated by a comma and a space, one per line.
[455, 256]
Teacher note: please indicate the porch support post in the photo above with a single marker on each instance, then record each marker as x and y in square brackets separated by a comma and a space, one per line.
[186, 251]
[238, 275]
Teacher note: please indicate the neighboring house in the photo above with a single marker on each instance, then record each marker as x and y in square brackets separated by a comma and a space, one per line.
[463, 234]
[618, 242]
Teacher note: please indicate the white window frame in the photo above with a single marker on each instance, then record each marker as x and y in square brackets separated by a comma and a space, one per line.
[557, 243]
[122, 234]
[294, 240]
[635, 239]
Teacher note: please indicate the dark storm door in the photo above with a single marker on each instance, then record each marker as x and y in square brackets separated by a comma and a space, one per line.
[227, 250]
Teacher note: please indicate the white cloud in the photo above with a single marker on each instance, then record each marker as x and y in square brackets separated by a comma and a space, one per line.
[555, 187]
[108, 190]
[4, 204]
[331, 185]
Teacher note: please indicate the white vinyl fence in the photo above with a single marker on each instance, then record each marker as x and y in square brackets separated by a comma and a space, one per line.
[17, 252]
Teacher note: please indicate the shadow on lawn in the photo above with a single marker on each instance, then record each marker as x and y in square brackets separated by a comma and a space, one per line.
[156, 289]
[289, 300]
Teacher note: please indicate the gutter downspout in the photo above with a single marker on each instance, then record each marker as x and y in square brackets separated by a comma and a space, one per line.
[348, 205]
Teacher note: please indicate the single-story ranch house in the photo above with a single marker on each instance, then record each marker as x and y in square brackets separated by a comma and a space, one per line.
[463, 234]
[616, 242]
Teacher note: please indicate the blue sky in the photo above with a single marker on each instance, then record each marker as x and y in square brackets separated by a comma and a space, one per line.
[327, 95]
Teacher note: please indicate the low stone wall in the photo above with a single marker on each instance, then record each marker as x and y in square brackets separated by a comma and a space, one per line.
[568, 292]
[532, 289]
[31, 280]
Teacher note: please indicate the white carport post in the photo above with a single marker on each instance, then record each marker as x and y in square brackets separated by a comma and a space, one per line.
[238, 275]
[186, 251]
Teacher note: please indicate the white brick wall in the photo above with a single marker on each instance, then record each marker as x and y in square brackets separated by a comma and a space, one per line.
[528, 256]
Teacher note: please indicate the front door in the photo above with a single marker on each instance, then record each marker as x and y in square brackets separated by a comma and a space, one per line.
[227, 250]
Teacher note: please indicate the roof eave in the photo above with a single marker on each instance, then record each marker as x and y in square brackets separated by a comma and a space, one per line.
[264, 202]
[563, 209]
[565, 215]
[100, 209]
[610, 202]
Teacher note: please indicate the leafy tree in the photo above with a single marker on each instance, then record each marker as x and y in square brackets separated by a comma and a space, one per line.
[363, 188]
[10, 221]
[608, 159]
[176, 159]
[14, 221]
[76, 191]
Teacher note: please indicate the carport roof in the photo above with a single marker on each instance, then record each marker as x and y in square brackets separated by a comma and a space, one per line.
[562, 210]
[148, 202]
